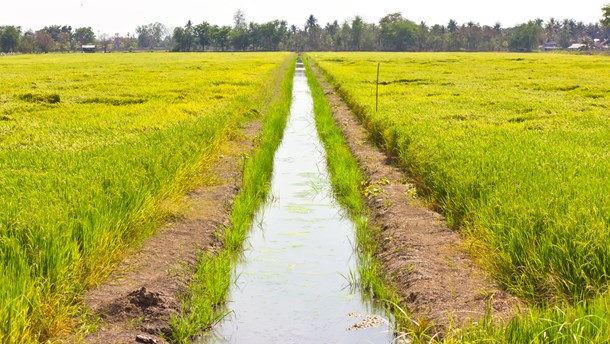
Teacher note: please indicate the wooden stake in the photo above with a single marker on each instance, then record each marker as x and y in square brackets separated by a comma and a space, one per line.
[377, 89]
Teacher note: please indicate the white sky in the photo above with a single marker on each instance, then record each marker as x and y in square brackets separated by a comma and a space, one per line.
[122, 16]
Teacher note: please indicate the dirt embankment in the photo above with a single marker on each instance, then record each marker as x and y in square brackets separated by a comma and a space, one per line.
[423, 258]
[134, 305]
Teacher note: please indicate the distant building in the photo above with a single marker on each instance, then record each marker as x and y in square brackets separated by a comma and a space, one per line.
[577, 46]
[599, 44]
[88, 48]
[548, 46]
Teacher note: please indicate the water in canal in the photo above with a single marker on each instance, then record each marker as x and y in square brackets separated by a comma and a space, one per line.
[290, 286]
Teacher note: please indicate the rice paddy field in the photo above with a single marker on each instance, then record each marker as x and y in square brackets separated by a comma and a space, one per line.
[514, 150]
[92, 150]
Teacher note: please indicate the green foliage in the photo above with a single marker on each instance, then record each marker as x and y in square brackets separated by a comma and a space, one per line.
[84, 35]
[398, 33]
[9, 38]
[84, 177]
[605, 21]
[184, 38]
[526, 37]
[513, 148]
[151, 35]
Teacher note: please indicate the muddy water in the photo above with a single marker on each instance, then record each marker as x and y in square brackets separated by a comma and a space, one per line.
[290, 286]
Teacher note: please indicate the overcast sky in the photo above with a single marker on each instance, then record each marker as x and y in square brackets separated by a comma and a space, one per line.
[122, 16]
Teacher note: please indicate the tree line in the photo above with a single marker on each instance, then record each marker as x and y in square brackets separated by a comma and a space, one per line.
[393, 32]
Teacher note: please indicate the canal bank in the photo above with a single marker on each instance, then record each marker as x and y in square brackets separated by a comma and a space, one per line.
[291, 284]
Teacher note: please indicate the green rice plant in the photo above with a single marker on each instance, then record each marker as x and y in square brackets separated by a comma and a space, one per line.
[513, 149]
[90, 147]
[202, 303]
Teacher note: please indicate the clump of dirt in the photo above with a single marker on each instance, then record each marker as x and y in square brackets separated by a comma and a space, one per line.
[421, 256]
[140, 302]
[136, 302]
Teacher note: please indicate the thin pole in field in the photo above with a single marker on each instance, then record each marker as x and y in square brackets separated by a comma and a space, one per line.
[377, 89]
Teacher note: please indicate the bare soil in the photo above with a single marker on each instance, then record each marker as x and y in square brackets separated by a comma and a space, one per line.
[421, 256]
[135, 303]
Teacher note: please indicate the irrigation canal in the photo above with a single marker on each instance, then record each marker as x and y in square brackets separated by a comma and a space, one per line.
[291, 286]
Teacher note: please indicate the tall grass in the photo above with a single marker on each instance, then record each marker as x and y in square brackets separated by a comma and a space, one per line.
[513, 149]
[82, 175]
[202, 303]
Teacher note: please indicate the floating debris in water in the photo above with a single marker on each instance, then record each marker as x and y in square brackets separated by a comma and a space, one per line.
[370, 321]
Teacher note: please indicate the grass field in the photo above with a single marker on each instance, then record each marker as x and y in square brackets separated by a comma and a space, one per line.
[91, 147]
[514, 149]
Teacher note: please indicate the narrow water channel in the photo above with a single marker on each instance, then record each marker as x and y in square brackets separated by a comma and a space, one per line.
[290, 286]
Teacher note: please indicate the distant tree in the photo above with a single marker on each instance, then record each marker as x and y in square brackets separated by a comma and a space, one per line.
[83, 36]
[370, 39]
[551, 30]
[240, 38]
[239, 19]
[203, 35]
[605, 21]
[345, 34]
[566, 33]
[493, 38]
[9, 38]
[270, 35]
[144, 36]
[397, 33]
[151, 35]
[438, 38]
[159, 33]
[53, 31]
[526, 37]
[65, 37]
[473, 35]
[455, 36]
[311, 22]
[423, 35]
[357, 33]
[452, 26]
[330, 37]
[594, 31]
[255, 36]
[184, 38]
[64, 41]
[313, 32]
[104, 41]
[240, 35]
[44, 41]
[27, 43]
[221, 37]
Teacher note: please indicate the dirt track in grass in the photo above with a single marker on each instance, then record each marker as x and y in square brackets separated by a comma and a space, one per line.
[421, 256]
[135, 303]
